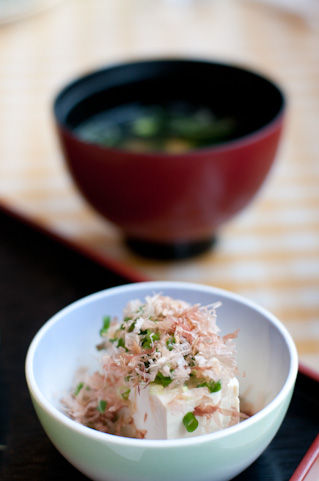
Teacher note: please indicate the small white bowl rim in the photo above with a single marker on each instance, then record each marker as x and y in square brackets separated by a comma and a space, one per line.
[162, 443]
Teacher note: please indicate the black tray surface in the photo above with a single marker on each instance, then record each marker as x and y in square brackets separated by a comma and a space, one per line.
[38, 277]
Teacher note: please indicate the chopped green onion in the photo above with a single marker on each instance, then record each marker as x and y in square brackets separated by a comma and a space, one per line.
[78, 388]
[214, 386]
[155, 336]
[106, 325]
[163, 380]
[202, 384]
[131, 328]
[149, 338]
[121, 343]
[211, 385]
[126, 394]
[147, 343]
[190, 422]
[102, 406]
[170, 343]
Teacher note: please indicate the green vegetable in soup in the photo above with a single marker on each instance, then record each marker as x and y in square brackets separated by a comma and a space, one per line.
[172, 128]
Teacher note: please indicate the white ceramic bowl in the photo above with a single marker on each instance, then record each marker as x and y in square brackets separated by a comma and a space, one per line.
[267, 360]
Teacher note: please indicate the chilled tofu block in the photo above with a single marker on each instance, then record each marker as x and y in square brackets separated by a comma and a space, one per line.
[159, 411]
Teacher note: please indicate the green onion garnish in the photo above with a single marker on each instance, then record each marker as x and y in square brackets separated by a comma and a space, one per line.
[147, 343]
[121, 343]
[155, 336]
[106, 325]
[190, 422]
[78, 388]
[163, 380]
[126, 394]
[149, 338]
[214, 386]
[202, 384]
[131, 328]
[170, 342]
[102, 406]
[211, 385]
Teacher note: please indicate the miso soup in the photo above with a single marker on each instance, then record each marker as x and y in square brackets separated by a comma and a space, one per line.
[174, 128]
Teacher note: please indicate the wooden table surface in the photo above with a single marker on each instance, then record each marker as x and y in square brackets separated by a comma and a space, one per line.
[270, 252]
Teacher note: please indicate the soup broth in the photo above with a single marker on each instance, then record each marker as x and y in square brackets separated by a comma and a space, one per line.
[173, 128]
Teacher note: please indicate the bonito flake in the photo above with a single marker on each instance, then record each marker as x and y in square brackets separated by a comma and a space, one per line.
[165, 373]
